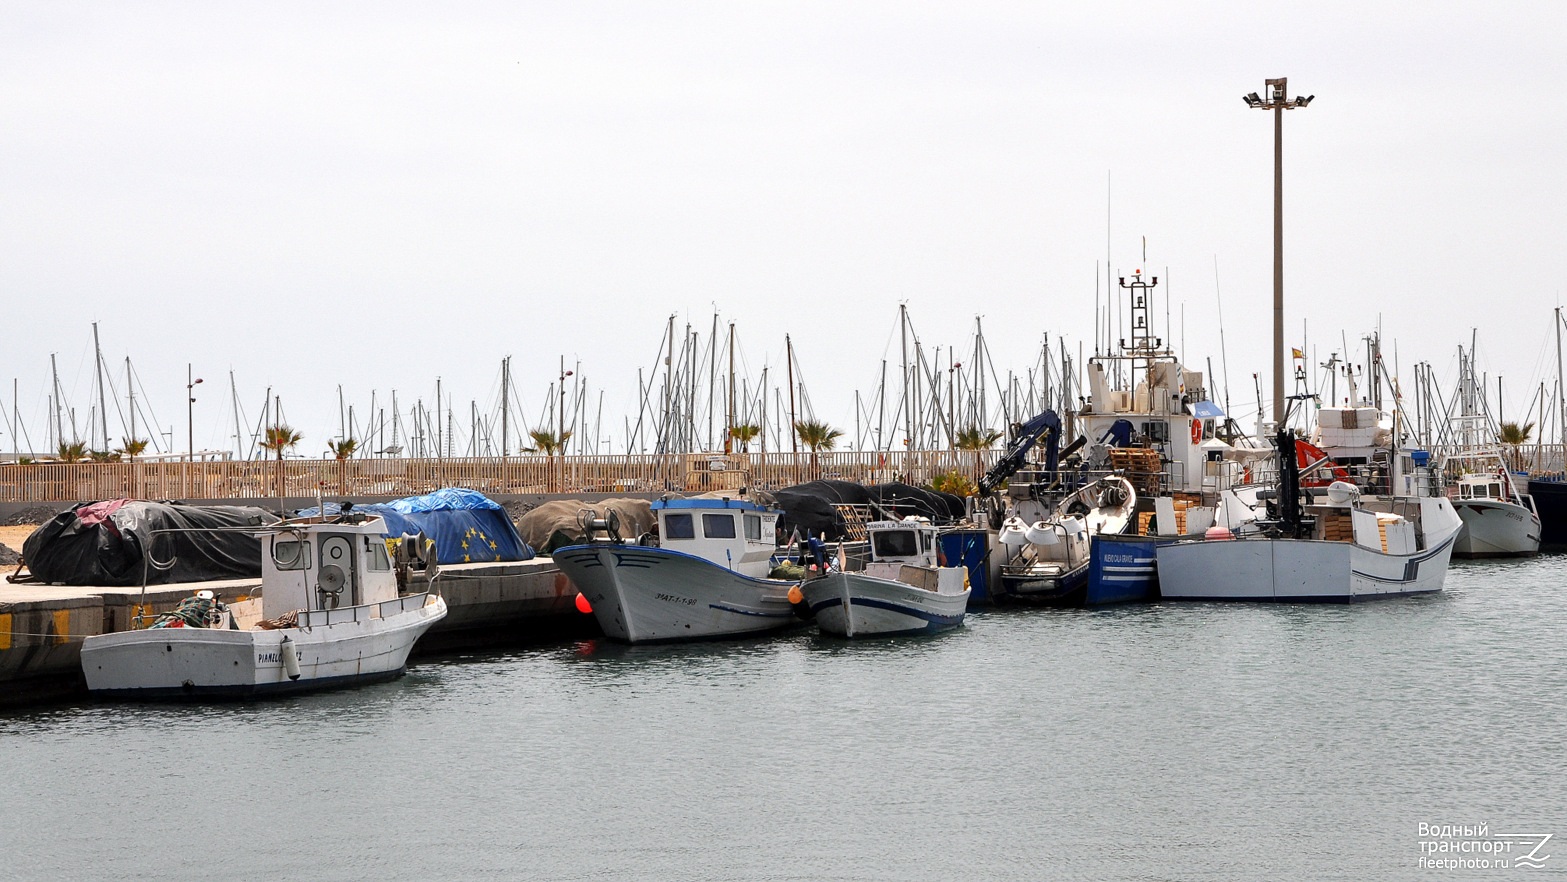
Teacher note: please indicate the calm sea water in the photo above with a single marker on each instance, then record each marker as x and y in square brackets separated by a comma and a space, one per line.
[1175, 741]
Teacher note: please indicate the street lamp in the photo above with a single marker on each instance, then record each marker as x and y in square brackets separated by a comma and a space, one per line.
[190, 411]
[560, 437]
[1278, 101]
[190, 425]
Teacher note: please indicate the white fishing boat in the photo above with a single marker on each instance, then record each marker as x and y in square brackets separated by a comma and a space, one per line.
[706, 577]
[1340, 549]
[1499, 519]
[1050, 560]
[903, 589]
[330, 614]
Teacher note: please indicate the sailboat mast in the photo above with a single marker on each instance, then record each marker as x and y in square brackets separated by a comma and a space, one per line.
[729, 417]
[506, 405]
[1561, 399]
[130, 389]
[794, 435]
[59, 407]
[103, 411]
[908, 413]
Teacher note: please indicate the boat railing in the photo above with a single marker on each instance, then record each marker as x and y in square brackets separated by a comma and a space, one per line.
[385, 609]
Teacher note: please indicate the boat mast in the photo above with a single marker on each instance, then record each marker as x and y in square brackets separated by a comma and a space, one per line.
[103, 410]
[130, 390]
[1561, 399]
[908, 415]
[712, 380]
[506, 405]
[729, 415]
[794, 435]
[59, 408]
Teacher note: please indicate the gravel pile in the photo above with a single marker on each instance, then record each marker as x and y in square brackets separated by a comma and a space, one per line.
[8, 558]
[516, 509]
[38, 514]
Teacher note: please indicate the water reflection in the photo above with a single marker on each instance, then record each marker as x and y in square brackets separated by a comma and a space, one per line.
[1217, 741]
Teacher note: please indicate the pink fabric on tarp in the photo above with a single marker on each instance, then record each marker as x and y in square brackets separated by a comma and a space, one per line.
[98, 512]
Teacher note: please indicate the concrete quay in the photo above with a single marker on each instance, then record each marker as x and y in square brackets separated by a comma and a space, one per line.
[42, 626]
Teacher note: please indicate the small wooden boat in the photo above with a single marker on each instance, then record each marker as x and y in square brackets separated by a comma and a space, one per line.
[904, 588]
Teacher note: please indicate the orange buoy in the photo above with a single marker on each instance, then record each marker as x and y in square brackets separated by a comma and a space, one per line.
[583, 606]
[795, 594]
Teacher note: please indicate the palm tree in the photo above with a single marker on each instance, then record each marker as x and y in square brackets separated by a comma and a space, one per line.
[103, 455]
[278, 439]
[816, 436]
[976, 439]
[74, 451]
[744, 433]
[1516, 436]
[343, 449]
[544, 441]
[131, 448]
[548, 443]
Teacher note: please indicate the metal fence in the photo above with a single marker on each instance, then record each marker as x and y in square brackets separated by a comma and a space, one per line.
[684, 473]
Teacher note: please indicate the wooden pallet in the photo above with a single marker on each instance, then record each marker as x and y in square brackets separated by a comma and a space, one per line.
[854, 518]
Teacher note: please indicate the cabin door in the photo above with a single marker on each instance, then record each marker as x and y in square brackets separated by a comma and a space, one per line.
[337, 572]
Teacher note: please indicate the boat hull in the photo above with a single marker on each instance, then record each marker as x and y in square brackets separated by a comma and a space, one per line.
[218, 663]
[1046, 587]
[651, 595]
[857, 605]
[1550, 499]
[1121, 569]
[1495, 528]
[1296, 571]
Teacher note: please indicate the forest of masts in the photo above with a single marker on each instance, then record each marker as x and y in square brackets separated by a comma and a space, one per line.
[702, 394]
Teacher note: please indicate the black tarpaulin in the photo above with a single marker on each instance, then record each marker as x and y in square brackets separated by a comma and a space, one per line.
[898, 500]
[809, 508]
[103, 543]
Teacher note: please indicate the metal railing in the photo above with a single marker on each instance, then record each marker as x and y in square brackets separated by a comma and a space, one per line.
[684, 473]
[317, 618]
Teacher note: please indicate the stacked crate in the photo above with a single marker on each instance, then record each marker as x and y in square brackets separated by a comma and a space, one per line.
[1140, 465]
[1183, 501]
[1336, 526]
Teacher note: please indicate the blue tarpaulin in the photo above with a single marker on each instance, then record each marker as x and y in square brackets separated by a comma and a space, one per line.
[467, 526]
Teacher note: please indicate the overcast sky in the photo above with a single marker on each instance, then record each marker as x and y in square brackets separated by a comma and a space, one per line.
[375, 195]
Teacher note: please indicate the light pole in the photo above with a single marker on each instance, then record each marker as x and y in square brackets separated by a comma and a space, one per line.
[1278, 101]
[560, 434]
[190, 424]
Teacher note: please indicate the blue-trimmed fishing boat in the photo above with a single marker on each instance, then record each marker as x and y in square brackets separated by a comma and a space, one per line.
[904, 588]
[706, 577]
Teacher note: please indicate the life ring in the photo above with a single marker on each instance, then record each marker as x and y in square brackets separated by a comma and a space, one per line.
[1196, 431]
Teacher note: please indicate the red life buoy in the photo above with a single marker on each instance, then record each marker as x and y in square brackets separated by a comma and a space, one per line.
[1196, 431]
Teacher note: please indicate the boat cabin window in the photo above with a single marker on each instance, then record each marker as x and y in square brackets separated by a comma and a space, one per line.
[1494, 491]
[924, 541]
[291, 554]
[895, 543]
[718, 526]
[679, 526]
[753, 527]
[378, 558]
